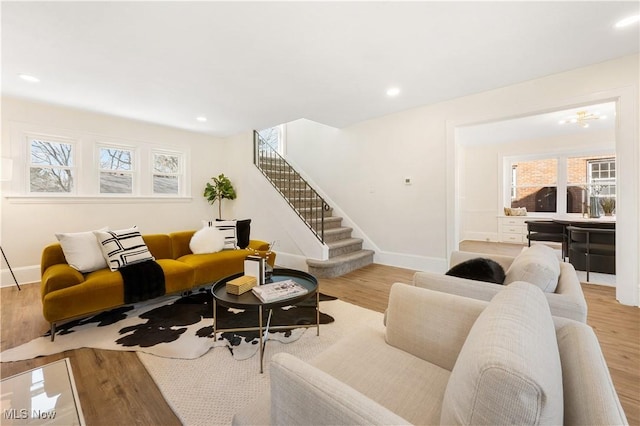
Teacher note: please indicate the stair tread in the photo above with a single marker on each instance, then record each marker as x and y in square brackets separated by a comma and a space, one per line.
[337, 230]
[339, 259]
[344, 242]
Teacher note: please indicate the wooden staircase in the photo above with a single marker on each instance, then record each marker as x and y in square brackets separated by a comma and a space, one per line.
[345, 252]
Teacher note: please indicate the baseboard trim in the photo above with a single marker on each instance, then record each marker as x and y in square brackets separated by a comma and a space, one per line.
[409, 261]
[24, 275]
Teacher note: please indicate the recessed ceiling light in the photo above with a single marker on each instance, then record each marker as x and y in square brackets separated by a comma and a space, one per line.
[201, 119]
[29, 78]
[393, 91]
[627, 21]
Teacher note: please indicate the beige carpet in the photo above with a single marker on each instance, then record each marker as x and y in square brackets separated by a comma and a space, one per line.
[209, 390]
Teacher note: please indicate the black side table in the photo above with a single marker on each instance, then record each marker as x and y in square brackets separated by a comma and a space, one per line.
[249, 301]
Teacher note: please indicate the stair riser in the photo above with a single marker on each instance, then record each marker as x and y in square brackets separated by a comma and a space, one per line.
[341, 269]
[305, 202]
[296, 193]
[330, 224]
[351, 248]
[337, 236]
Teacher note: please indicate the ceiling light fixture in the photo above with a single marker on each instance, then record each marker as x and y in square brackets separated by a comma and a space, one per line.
[29, 78]
[393, 91]
[627, 21]
[201, 119]
[582, 118]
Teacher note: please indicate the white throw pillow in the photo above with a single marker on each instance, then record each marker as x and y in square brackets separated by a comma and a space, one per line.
[228, 230]
[207, 240]
[82, 250]
[538, 265]
[123, 247]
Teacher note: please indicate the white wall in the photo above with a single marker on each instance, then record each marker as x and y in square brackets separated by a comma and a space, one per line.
[480, 183]
[29, 224]
[363, 166]
[272, 219]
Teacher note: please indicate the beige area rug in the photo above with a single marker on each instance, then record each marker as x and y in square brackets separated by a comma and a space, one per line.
[209, 390]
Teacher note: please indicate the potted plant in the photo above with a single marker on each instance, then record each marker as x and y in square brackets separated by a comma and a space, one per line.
[221, 189]
[608, 205]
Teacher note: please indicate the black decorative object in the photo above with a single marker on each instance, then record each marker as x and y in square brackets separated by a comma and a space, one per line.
[479, 269]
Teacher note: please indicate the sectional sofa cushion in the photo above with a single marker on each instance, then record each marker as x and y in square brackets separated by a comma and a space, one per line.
[501, 376]
[538, 265]
[82, 251]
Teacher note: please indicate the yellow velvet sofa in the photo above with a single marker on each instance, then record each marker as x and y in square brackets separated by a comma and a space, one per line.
[67, 293]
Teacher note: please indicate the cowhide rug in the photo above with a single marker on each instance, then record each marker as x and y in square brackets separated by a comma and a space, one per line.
[175, 327]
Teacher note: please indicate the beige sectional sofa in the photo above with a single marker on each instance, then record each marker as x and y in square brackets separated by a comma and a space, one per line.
[566, 300]
[446, 359]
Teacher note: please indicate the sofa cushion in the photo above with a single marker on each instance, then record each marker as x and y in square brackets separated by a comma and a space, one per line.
[479, 269]
[538, 265]
[82, 250]
[508, 370]
[207, 240]
[123, 247]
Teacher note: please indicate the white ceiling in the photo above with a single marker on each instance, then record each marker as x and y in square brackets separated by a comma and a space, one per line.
[538, 126]
[250, 65]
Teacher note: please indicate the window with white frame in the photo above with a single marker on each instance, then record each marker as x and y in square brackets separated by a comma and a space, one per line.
[58, 163]
[534, 184]
[167, 173]
[602, 177]
[560, 183]
[274, 136]
[117, 171]
[51, 165]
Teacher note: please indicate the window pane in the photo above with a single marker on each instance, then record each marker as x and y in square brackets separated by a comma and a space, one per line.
[533, 184]
[536, 199]
[116, 183]
[165, 184]
[51, 153]
[537, 172]
[163, 163]
[273, 137]
[50, 179]
[115, 159]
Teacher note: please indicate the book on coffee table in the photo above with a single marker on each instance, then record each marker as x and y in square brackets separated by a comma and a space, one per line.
[278, 291]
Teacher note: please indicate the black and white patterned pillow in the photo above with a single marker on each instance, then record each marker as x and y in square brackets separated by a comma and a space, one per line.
[123, 247]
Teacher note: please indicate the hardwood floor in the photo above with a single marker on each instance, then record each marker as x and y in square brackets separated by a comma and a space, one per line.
[115, 389]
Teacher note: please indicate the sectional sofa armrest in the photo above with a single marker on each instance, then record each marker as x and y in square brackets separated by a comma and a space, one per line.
[304, 394]
[430, 325]
[57, 277]
[589, 394]
[453, 285]
[568, 300]
[258, 245]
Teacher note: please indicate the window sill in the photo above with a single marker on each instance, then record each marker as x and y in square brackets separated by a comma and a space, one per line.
[82, 199]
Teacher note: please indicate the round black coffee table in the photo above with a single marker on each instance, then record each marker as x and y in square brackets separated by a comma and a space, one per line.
[249, 301]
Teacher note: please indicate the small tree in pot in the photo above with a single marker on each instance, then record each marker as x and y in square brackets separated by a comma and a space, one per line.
[221, 189]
